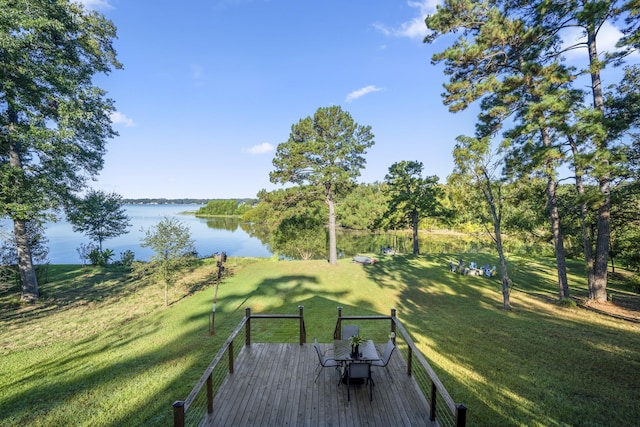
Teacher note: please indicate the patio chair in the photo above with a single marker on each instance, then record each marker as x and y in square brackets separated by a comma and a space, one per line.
[350, 330]
[359, 370]
[325, 362]
[388, 350]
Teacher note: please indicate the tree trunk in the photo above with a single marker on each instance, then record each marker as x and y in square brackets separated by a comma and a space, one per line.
[558, 240]
[28, 278]
[554, 215]
[496, 216]
[414, 225]
[613, 264]
[598, 290]
[166, 293]
[333, 251]
[506, 304]
[584, 218]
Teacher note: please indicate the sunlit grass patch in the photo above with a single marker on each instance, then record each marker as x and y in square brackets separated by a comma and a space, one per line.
[101, 349]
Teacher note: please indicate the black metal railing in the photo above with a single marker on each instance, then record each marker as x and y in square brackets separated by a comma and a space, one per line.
[200, 401]
[449, 414]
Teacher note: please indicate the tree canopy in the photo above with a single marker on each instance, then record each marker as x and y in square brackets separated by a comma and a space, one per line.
[225, 207]
[509, 55]
[100, 216]
[54, 121]
[323, 156]
[171, 241]
[411, 197]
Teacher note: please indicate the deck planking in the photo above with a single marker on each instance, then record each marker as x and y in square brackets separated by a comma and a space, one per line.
[273, 386]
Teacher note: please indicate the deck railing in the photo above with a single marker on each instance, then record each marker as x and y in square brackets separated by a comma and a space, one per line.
[191, 410]
[449, 414]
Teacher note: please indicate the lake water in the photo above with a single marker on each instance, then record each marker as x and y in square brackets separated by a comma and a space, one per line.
[209, 234]
[228, 235]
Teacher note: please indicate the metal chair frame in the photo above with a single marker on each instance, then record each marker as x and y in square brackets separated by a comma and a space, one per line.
[325, 362]
[350, 330]
[388, 350]
[360, 370]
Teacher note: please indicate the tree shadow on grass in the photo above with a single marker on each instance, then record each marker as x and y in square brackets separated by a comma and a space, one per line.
[499, 363]
[69, 286]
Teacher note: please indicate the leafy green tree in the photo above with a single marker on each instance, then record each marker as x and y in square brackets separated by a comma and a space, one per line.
[226, 207]
[476, 162]
[623, 107]
[100, 216]
[625, 225]
[37, 241]
[9, 269]
[364, 207]
[412, 196]
[84, 252]
[597, 148]
[300, 238]
[513, 62]
[54, 120]
[631, 39]
[260, 214]
[278, 213]
[101, 257]
[525, 216]
[171, 241]
[325, 153]
[454, 202]
[278, 205]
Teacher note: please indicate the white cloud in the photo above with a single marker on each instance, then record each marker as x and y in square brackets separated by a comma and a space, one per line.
[265, 147]
[361, 92]
[95, 4]
[119, 118]
[414, 28]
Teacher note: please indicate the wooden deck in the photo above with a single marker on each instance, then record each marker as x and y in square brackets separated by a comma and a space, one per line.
[273, 386]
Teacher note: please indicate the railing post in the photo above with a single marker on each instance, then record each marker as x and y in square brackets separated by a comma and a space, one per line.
[178, 413]
[432, 403]
[393, 325]
[461, 415]
[247, 328]
[409, 361]
[339, 331]
[210, 394]
[231, 357]
[303, 332]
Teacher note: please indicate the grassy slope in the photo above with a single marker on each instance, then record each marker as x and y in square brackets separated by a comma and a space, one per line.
[100, 350]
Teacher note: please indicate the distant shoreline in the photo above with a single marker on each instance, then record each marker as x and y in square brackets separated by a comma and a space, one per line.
[184, 201]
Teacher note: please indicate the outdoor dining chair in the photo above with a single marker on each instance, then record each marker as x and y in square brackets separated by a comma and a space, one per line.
[388, 350]
[325, 362]
[350, 330]
[359, 370]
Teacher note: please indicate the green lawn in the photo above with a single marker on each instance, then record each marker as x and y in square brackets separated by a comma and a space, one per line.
[102, 350]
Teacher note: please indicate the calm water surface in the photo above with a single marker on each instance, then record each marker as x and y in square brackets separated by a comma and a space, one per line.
[228, 235]
[230, 238]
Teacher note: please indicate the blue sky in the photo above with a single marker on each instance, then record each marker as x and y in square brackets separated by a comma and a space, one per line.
[210, 88]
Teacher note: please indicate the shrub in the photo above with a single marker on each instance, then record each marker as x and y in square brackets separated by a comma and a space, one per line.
[101, 258]
[127, 257]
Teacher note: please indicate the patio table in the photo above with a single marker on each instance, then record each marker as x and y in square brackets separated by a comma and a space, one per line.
[342, 353]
